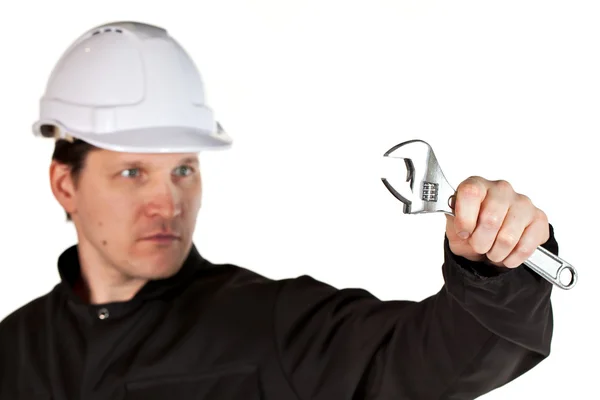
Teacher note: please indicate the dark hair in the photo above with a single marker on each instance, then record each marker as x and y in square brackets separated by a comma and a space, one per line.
[73, 154]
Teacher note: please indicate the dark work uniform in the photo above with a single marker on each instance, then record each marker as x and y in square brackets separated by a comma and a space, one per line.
[219, 331]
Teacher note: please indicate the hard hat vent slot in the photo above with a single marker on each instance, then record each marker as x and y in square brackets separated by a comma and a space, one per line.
[107, 30]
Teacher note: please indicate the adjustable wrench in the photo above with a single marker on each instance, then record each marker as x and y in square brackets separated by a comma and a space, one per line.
[414, 177]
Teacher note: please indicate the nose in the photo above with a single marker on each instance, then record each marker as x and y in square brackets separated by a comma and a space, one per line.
[165, 200]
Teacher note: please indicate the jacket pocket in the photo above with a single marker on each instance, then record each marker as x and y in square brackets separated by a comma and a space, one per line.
[230, 384]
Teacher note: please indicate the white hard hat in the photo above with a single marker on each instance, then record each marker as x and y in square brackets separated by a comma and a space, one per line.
[129, 86]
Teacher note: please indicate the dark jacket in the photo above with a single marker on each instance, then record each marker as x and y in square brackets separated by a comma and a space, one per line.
[224, 332]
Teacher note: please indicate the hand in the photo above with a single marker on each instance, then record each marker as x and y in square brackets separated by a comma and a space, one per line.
[504, 228]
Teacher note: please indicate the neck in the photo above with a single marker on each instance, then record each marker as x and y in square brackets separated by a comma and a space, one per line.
[102, 283]
[94, 291]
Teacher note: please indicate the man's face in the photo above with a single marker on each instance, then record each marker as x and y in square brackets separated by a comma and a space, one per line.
[137, 212]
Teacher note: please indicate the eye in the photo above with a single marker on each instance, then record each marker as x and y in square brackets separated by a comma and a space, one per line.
[130, 173]
[184, 170]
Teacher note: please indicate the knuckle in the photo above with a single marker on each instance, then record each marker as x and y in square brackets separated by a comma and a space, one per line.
[463, 219]
[503, 185]
[507, 239]
[470, 188]
[525, 250]
[525, 200]
[482, 247]
[541, 215]
[491, 220]
[473, 179]
[493, 256]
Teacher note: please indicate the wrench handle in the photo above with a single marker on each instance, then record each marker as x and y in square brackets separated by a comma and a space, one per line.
[550, 267]
[546, 264]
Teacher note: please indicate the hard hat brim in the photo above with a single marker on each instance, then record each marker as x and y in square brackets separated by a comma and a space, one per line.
[153, 140]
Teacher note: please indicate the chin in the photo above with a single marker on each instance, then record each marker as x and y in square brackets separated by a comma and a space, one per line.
[154, 272]
[159, 262]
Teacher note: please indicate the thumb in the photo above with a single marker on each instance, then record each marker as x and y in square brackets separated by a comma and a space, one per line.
[451, 230]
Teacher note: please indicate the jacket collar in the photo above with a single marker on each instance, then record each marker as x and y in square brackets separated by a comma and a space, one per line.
[69, 269]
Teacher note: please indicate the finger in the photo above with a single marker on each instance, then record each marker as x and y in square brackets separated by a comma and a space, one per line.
[491, 217]
[468, 197]
[534, 234]
[519, 216]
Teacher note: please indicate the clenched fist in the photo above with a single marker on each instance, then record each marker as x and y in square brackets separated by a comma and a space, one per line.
[493, 223]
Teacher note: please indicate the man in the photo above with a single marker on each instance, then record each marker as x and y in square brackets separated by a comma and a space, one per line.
[140, 314]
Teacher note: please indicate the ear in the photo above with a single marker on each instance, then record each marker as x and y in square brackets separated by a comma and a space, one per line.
[62, 186]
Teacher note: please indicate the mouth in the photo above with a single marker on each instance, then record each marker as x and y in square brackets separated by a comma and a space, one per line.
[162, 237]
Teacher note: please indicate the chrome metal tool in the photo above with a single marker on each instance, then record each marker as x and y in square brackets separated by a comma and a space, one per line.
[414, 177]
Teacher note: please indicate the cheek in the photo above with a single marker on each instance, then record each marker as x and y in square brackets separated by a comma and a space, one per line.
[107, 210]
[193, 199]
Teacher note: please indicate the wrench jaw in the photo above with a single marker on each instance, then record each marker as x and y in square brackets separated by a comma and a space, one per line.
[427, 190]
[398, 179]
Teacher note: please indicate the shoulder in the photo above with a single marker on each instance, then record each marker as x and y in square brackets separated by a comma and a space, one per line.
[236, 276]
[28, 317]
[231, 276]
[228, 285]
[231, 281]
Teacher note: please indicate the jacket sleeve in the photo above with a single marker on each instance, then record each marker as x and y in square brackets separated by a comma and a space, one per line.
[484, 328]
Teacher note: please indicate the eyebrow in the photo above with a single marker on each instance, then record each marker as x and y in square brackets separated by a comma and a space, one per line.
[141, 164]
[189, 160]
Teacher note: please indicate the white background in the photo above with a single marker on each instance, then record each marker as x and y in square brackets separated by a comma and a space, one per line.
[313, 93]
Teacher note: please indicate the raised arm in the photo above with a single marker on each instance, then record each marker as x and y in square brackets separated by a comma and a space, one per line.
[476, 334]
[488, 325]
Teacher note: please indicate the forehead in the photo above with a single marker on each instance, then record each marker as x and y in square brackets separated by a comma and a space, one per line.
[110, 158]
